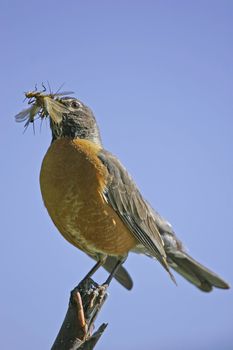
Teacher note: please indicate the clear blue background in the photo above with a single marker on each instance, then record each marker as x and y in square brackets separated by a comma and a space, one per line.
[159, 77]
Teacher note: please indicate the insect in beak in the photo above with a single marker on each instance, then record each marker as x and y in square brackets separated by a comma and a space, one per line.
[44, 105]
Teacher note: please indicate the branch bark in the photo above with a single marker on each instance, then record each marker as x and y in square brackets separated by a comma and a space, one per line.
[85, 302]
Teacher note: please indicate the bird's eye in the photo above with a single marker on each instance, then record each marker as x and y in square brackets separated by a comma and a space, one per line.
[75, 104]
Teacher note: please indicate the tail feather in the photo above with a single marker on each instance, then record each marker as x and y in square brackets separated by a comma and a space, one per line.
[194, 272]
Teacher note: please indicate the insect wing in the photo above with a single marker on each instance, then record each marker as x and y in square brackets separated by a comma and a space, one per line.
[34, 110]
[55, 109]
[27, 114]
[63, 93]
[23, 115]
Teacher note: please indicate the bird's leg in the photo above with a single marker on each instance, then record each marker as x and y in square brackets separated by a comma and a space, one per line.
[100, 291]
[116, 267]
[99, 263]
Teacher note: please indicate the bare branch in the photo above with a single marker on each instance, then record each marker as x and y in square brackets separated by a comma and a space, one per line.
[85, 303]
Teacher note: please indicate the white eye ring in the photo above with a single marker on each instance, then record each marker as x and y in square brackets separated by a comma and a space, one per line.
[75, 104]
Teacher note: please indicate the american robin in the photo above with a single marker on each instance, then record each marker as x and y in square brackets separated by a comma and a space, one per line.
[95, 204]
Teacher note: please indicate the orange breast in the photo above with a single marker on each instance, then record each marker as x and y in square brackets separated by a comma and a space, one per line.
[72, 181]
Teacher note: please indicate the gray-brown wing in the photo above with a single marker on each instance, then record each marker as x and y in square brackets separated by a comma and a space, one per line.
[122, 194]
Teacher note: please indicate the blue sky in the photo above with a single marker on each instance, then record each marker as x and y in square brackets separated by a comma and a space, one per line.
[159, 78]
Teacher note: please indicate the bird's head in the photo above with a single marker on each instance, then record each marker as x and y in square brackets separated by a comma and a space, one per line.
[76, 121]
[69, 117]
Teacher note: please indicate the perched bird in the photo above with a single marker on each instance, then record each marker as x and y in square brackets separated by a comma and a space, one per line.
[94, 202]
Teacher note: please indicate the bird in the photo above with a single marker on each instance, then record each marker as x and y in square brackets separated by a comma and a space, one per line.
[96, 205]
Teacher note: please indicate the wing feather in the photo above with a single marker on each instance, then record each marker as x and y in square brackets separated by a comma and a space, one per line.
[122, 194]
